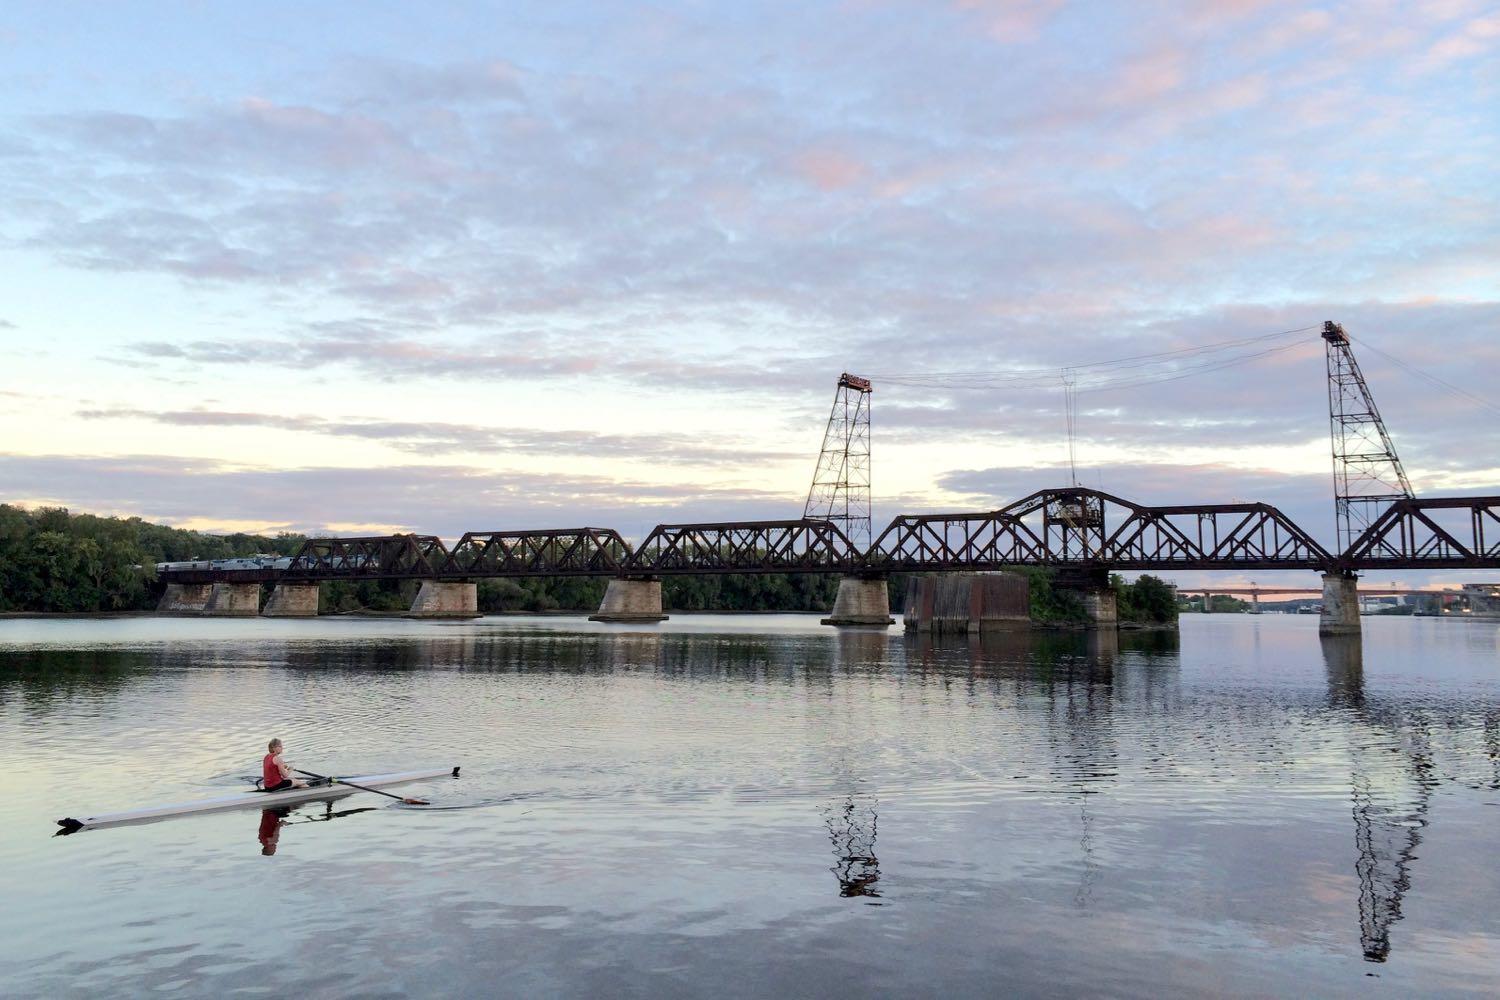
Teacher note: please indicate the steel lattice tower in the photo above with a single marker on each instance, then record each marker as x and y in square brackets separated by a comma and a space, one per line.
[841, 483]
[1367, 472]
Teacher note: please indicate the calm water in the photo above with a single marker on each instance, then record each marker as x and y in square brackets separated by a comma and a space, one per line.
[758, 807]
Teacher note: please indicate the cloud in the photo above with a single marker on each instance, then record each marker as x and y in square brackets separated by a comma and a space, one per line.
[369, 350]
[1478, 36]
[427, 437]
[1307, 499]
[1232, 398]
[715, 206]
[1011, 22]
[1140, 168]
[442, 499]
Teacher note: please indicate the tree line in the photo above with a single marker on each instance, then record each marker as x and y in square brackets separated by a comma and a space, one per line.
[55, 560]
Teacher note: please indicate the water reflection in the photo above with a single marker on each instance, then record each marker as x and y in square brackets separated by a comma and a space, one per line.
[42, 677]
[273, 821]
[1344, 666]
[1136, 776]
[852, 824]
[1389, 803]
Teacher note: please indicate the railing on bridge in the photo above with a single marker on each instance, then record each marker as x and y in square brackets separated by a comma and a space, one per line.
[1083, 527]
[805, 545]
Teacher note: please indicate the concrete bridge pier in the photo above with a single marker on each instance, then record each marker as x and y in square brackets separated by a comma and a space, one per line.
[861, 601]
[233, 600]
[216, 600]
[630, 600]
[1340, 614]
[965, 603]
[1100, 604]
[292, 600]
[1093, 590]
[445, 599]
[184, 599]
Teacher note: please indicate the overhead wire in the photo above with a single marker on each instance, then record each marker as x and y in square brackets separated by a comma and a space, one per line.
[1449, 386]
[1046, 377]
[1202, 369]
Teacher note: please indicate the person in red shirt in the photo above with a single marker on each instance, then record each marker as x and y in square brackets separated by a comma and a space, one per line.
[276, 773]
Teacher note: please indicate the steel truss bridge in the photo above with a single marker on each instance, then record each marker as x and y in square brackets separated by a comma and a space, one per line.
[1071, 528]
[1381, 525]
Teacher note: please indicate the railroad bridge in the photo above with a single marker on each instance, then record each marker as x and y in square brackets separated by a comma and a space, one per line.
[1085, 533]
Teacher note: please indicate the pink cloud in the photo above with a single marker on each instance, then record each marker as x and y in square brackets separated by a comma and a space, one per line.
[829, 169]
[1149, 76]
[1011, 21]
[1475, 38]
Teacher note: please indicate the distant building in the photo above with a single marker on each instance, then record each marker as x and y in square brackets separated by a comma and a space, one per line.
[1482, 598]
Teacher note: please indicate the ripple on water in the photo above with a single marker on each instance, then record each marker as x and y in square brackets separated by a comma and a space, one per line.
[1269, 814]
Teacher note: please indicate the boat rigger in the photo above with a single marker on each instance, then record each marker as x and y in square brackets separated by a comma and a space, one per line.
[329, 788]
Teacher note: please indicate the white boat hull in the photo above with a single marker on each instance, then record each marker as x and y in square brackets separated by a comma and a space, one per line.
[254, 800]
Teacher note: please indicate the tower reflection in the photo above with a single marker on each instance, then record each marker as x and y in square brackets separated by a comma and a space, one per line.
[1391, 784]
[852, 824]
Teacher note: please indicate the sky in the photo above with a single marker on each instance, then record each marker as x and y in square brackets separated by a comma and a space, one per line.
[366, 267]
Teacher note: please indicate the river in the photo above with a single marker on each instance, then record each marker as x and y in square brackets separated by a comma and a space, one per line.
[756, 806]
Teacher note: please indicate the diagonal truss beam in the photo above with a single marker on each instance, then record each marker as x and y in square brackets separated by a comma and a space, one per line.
[1082, 527]
[1430, 533]
[807, 545]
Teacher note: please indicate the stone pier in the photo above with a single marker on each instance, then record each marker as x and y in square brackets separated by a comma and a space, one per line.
[1340, 614]
[218, 600]
[861, 601]
[1099, 603]
[292, 600]
[1094, 592]
[961, 603]
[233, 600]
[627, 600]
[445, 599]
[184, 599]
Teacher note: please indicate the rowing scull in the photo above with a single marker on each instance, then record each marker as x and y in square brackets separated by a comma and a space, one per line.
[336, 789]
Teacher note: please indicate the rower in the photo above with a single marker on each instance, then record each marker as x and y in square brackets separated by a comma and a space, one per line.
[276, 773]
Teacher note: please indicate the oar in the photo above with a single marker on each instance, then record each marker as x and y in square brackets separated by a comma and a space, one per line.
[341, 781]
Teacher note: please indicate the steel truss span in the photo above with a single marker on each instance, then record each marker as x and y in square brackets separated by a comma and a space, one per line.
[1080, 527]
[808, 545]
[557, 552]
[1071, 527]
[1439, 533]
[383, 557]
